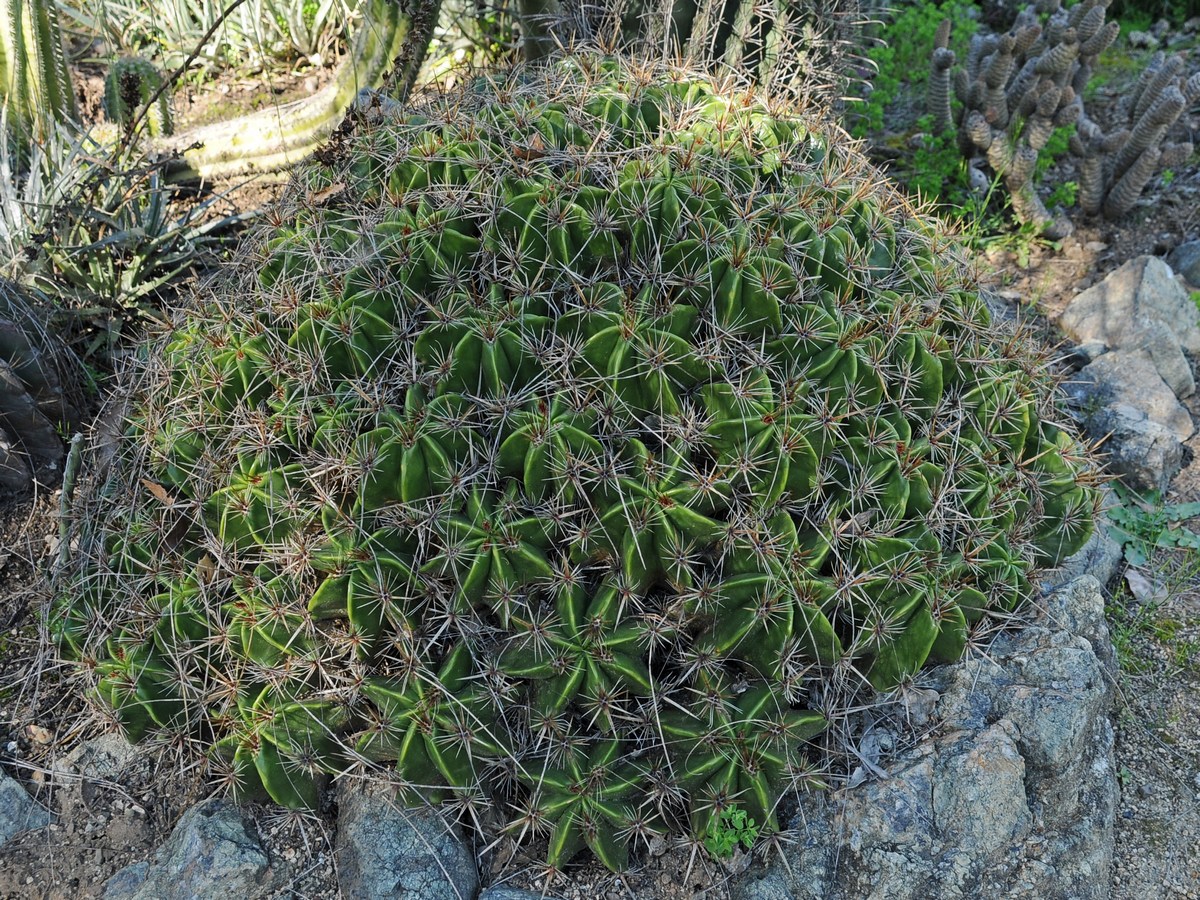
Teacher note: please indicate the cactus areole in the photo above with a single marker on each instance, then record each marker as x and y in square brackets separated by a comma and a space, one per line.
[561, 447]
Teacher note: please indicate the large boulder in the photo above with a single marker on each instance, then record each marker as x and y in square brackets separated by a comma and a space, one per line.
[214, 853]
[386, 850]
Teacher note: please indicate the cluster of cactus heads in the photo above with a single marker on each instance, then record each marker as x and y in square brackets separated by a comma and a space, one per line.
[1115, 165]
[565, 447]
[35, 86]
[1017, 88]
[134, 84]
[39, 394]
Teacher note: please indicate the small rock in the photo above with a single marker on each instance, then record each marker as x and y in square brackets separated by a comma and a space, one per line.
[1140, 306]
[1185, 259]
[1142, 40]
[503, 892]
[102, 758]
[213, 854]
[1095, 246]
[386, 850]
[39, 734]
[1122, 398]
[18, 811]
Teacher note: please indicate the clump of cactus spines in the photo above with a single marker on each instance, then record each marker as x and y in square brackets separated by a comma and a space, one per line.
[1017, 88]
[131, 84]
[564, 448]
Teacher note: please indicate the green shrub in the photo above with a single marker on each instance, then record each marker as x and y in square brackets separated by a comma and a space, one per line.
[568, 446]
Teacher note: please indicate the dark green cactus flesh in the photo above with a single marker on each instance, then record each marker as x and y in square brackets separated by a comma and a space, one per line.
[131, 84]
[565, 439]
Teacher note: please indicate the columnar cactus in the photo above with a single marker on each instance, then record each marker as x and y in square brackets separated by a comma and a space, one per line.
[35, 86]
[1115, 165]
[131, 84]
[1018, 87]
[565, 445]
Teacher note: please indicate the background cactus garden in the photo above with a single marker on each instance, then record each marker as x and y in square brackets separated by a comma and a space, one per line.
[576, 443]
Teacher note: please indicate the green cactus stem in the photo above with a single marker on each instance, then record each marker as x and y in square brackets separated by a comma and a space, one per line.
[275, 138]
[35, 85]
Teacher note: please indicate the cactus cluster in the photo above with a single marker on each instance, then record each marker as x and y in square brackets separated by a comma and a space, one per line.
[1115, 165]
[565, 446]
[1018, 87]
[131, 84]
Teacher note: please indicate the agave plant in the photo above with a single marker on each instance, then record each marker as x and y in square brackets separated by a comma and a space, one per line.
[565, 445]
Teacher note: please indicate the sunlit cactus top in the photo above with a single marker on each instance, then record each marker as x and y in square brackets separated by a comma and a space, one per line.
[560, 445]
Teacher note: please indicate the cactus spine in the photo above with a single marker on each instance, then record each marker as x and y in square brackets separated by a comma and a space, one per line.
[563, 442]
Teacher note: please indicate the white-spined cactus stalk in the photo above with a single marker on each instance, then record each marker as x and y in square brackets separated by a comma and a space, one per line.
[35, 85]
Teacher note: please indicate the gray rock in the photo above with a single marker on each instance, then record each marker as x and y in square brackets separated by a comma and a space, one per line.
[1129, 377]
[104, 758]
[18, 811]
[14, 473]
[1143, 40]
[127, 881]
[1122, 399]
[1140, 306]
[213, 854]
[1014, 794]
[1080, 355]
[1159, 341]
[386, 850]
[1185, 259]
[507, 893]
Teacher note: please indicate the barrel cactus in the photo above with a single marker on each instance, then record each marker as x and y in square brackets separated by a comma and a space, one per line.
[566, 446]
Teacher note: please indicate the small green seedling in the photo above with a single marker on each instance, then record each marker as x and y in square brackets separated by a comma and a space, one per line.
[1142, 524]
[732, 828]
